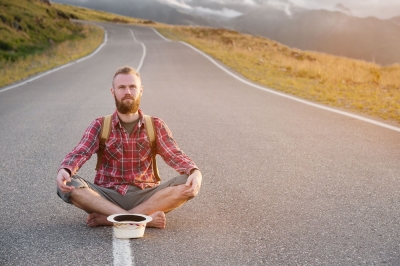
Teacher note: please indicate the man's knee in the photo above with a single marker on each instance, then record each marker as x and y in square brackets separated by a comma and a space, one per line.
[179, 190]
[78, 183]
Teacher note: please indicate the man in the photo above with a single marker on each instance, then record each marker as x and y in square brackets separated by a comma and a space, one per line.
[125, 182]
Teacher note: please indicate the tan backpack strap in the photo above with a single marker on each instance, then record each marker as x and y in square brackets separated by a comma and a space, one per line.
[151, 135]
[103, 137]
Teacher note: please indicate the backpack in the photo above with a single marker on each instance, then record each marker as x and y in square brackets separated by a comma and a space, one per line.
[151, 135]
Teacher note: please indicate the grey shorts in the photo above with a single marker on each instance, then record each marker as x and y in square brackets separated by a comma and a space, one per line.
[133, 197]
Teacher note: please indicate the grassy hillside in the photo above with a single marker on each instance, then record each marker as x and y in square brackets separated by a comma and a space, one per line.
[35, 35]
[337, 81]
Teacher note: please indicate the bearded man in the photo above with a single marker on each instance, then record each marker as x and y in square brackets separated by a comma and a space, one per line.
[125, 182]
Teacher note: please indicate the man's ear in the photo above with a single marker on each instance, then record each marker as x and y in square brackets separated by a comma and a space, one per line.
[141, 90]
[112, 91]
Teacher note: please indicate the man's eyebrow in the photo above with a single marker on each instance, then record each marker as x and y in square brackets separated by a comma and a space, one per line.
[129, 85]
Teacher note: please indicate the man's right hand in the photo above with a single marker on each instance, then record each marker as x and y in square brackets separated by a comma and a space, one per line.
[63, 177]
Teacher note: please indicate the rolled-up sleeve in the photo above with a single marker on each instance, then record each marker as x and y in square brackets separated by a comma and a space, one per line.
[87, 146]
[169, 150]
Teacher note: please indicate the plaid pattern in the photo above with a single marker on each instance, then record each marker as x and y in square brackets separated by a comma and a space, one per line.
[127, 159]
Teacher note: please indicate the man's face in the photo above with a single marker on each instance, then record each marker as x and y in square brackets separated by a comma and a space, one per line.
[127, 91]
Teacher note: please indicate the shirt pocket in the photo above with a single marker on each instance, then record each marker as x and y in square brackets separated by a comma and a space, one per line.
[144, 149]
[114, 150]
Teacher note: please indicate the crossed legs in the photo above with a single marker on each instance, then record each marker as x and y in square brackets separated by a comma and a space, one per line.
[156, 206]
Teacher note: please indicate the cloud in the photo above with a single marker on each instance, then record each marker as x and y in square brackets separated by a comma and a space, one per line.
[361, 8]
[378, 8]
[249, 2]
[282, 5]
[225, 12]
[176, 3]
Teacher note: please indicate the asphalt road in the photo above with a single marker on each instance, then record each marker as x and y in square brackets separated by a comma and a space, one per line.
[285, 183]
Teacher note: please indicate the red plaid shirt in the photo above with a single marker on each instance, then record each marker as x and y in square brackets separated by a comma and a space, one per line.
[127, 159]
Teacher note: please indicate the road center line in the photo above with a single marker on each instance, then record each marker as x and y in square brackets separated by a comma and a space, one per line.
[144, 52]
[121, 247]
[122, 252]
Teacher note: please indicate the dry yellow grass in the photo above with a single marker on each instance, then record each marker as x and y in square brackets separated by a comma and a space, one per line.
[337, 81]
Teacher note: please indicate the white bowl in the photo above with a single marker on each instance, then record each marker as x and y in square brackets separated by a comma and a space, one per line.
[129, 225]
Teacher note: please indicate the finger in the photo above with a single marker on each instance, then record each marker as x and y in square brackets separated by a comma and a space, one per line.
[67, 189]
[187, 192]
[67, 178]
[188, 182]
[64, 188]
[191, 192]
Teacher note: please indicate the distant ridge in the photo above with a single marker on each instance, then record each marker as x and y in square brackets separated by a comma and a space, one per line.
[336, 33]
[341, 8]
[396, 19]
[148, 9]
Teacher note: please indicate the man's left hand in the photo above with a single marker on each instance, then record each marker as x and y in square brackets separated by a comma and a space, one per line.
[193, 184]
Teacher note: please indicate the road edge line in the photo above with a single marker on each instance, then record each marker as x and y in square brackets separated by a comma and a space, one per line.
[159, 34]
[105, 39]
[292, 97]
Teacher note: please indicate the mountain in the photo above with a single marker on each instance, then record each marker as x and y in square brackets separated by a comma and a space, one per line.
[143, 9]
[396, 19]
[333, 32]
[336, 33]
[341, 8]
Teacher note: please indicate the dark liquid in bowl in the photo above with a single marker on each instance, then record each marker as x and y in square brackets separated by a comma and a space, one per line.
[129, 217]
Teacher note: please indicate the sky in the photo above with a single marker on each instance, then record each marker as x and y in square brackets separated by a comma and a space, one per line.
[380, 8]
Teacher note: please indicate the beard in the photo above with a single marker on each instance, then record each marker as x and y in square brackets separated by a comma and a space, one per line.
[127, 108]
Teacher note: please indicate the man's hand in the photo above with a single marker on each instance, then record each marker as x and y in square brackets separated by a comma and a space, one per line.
[193, 184]
[63, 177]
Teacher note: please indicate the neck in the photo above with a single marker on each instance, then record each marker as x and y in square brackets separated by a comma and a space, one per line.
[128, 118]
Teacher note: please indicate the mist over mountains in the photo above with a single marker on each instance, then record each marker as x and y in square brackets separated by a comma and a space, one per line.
[370, 39]
[144, 9]
[336, 31]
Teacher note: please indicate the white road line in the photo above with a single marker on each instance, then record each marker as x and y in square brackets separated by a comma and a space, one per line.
[285, 95]
[144, 52]
[58, 68]
[165, 39]
[121, 247]
[122, 252]
[292, 97]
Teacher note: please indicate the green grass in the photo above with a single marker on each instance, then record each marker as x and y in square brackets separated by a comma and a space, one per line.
[36, 37]
[29, 27]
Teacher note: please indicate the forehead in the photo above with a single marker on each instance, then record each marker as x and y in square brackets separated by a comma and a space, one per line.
[127, 79]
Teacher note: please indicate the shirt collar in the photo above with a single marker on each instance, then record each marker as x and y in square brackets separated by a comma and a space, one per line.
[115, 119]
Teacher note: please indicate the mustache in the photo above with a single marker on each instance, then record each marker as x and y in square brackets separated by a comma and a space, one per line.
[128, 97]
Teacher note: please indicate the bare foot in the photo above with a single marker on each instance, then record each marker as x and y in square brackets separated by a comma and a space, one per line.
[95, 219]
[158, 221]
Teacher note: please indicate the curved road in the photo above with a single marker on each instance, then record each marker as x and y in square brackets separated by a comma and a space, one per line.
[285, 183]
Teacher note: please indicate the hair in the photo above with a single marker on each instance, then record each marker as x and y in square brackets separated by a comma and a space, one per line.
[125, 70]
